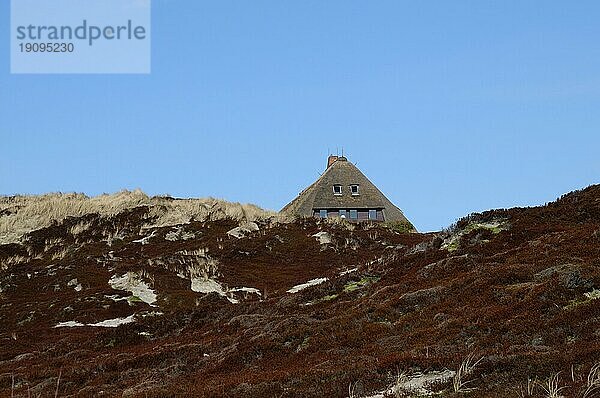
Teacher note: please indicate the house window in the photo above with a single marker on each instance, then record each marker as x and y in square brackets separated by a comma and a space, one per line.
[337, 189]
[354, 189]
[354, 214]
[372, 214]
[323, 213]
[343, 214]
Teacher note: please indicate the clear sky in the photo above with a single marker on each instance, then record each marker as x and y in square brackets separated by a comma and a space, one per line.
[449, 107]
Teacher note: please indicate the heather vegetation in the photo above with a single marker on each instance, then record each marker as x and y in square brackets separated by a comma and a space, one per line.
[127, 299]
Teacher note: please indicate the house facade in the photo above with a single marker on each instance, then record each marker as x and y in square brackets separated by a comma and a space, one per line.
[344, 191]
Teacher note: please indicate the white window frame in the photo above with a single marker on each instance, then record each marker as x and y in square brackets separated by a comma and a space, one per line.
[321, 213]
[352, 187]
[373, 211]
[355, 212]
[337, 186]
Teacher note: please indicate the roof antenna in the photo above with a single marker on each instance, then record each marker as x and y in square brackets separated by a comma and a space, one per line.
[342, 151]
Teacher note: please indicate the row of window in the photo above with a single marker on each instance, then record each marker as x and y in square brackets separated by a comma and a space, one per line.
[352, 214]
[337, 189]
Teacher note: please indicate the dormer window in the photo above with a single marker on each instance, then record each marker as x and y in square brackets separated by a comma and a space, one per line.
[354, 189]
[337, 189]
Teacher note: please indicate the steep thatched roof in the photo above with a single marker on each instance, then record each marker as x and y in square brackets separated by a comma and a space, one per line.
[320, 195]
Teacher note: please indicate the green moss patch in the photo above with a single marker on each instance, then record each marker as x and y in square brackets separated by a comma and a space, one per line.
[366, 280]
[495, 227]
[588, 297]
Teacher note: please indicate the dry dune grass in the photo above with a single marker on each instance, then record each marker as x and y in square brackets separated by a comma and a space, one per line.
[22, 214]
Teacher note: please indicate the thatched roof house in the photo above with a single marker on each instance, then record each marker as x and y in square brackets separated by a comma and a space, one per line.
[344, 191]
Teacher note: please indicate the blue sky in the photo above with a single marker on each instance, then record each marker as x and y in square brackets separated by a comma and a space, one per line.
[449, 107]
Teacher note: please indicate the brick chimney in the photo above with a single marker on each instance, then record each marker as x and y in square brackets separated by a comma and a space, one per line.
[331, 160]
